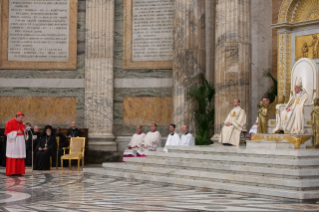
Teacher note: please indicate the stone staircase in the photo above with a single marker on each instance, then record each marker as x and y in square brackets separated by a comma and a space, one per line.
[280, 173]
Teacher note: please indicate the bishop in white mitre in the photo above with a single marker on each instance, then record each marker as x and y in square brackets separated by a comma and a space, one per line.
[187, 139]
[233, 125]
[135, 143]
[173, 138]
[151, 141]
[291, 119]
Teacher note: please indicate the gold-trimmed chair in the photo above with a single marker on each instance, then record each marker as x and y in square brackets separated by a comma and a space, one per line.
[57, 154]
[77, 148]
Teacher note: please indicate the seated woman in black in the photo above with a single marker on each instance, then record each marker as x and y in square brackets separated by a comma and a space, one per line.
[46, 147]
[62, 143]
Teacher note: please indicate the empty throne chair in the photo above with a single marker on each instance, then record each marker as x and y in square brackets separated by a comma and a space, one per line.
[307, 69]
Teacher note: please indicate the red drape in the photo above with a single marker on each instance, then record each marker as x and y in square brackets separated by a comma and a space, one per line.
[15, 166]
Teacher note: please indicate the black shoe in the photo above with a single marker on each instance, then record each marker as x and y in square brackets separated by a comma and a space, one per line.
[227, 144]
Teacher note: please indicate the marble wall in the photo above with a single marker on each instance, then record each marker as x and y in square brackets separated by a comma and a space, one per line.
[39, 110]
[233, 58]
[261, 60]
[52, 83]
[134, 83]
[189, 59]
[140, 110]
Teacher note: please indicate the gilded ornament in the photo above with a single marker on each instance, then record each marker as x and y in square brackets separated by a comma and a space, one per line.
[256, 138]
[309, 123]
[273, 123]
[312, 43]
[306, 10]
[297, 141]
[273, 138]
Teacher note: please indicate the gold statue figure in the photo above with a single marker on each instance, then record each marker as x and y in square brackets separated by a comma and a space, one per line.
[262, 118]
[315, 45]
[304, 50]
[315, 122]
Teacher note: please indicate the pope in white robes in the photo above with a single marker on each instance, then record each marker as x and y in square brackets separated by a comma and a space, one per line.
[233, 125]
[173, 138]
[151, 141]
[135, 143]
[187, 139]
[291, 120]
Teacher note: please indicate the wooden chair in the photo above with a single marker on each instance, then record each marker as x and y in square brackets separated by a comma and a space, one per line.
[57, 154]
[77, 147]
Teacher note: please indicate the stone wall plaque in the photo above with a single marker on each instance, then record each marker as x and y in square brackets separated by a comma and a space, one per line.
[148, 34]
[38, 34]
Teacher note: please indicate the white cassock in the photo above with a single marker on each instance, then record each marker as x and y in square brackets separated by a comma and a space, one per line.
[173, 139]
[136, 140]
[254, 128]
[231, 134]
[153, 140]
[187, 139]
[293, 122]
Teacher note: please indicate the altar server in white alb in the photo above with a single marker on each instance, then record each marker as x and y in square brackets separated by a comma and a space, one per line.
[151, 141]
[135, 143]
[233, 125]
[291, 119]
[187, 139]
[173, 138]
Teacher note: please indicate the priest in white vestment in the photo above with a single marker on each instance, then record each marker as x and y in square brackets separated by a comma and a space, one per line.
[135, 143]
[187, 139]
[233, 125]
[173, 138]
[151, 141]
[291, 120]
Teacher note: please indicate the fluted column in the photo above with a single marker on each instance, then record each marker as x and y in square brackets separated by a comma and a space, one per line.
[99, 74]
[233, 57]
[210, 12]
[188, 56]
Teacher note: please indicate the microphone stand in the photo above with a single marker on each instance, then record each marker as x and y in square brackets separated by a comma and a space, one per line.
[32, 151]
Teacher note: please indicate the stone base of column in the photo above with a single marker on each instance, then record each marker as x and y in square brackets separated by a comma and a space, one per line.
[103, 148]
[215, 138]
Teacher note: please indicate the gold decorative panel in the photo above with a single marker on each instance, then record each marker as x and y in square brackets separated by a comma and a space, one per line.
[306, 10]
[307, 46]
[39, 110]
[146, 110]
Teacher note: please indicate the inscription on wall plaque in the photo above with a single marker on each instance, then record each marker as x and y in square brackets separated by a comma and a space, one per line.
[38, 30]
[152, 30]
[148, 34]
[38, 34]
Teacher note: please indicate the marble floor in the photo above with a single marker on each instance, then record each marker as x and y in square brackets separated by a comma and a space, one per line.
[77, 191]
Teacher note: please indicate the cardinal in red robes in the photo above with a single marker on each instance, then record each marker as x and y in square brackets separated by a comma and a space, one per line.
[15, 145]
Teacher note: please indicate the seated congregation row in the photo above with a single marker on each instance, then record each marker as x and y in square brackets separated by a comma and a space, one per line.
[140, 143]
[45, 145]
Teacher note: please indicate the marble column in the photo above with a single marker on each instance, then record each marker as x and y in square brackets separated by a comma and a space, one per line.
[210, 12]
[261, 19]
[232, 58]
[99, 74]
[188, 57]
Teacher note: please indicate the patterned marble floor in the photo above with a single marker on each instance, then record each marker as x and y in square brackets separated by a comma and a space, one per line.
[78, 191]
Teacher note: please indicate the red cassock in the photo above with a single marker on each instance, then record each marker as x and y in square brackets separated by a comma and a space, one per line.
[16, 152]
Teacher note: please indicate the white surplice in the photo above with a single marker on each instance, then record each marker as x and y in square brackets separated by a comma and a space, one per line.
[292, 121]
[173, 139]
[231, 134]
[187, 139]
[254, 128]
[152, 140]
[136, 140]
[15, 145]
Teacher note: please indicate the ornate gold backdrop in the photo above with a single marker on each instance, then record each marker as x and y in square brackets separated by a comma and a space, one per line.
[294, 14]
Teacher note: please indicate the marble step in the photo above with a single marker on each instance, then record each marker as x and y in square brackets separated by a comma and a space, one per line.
[311, 172]
[232, 150]
[302, 184]
[241, 188]
[237, 158]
